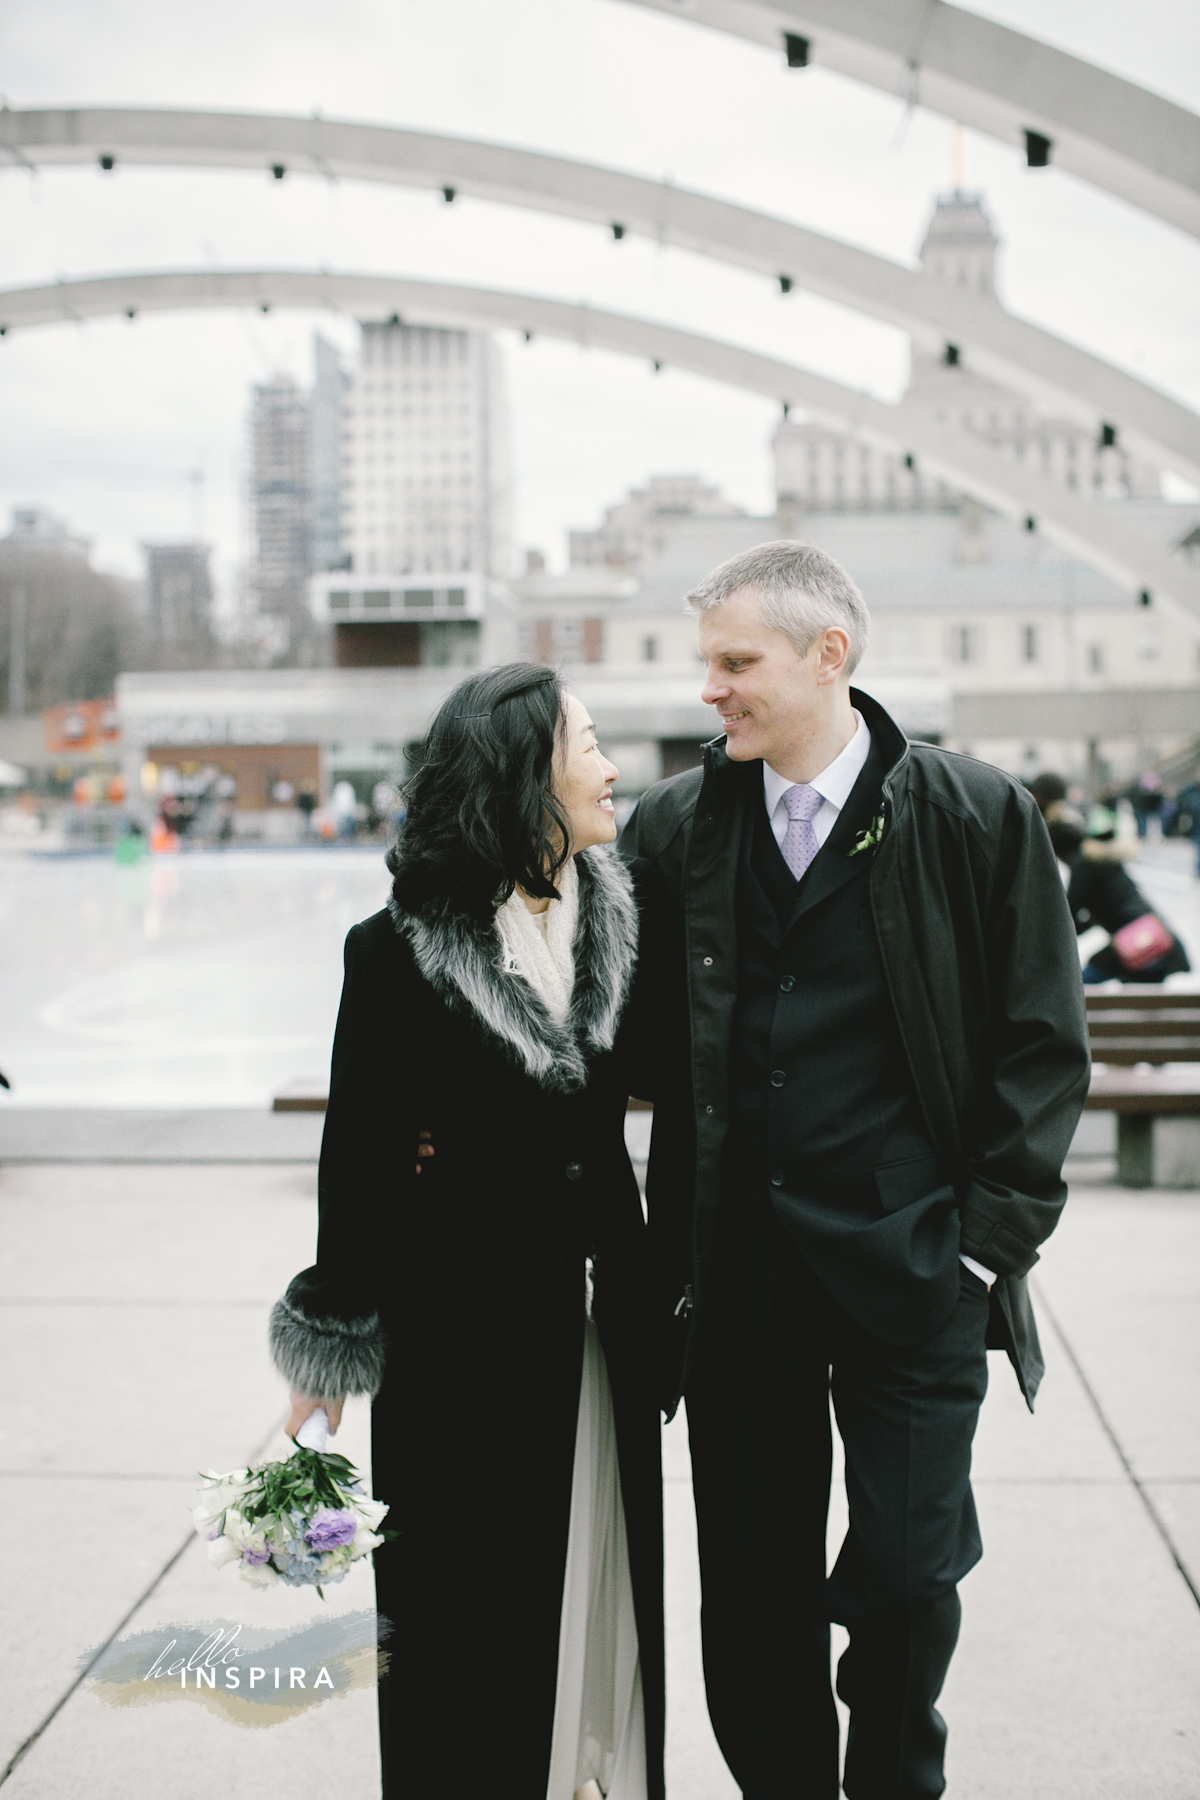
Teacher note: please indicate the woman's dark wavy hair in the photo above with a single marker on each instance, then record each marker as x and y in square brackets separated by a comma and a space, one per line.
[482, 816]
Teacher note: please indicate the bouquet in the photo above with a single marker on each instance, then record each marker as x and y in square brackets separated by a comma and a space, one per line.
[303, 1521]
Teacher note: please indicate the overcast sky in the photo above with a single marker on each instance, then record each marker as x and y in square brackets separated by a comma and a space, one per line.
[103, 422]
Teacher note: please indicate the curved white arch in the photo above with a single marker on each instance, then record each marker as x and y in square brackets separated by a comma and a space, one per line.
[1137, 145]
[1093, 533]
[1052, 374]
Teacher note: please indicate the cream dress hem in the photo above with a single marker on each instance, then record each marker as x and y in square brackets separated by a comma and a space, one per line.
[599, 1721]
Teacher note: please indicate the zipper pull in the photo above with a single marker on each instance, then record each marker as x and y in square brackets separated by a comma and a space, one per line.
[685, 1302]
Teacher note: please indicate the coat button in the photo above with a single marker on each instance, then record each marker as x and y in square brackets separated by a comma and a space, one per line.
[777, 1178]
[574, 1171]
[708, 962]
[787, 984]
[778, 1077]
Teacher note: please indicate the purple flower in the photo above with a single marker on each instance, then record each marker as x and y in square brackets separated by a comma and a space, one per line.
[329, 1530]
[256, 1558]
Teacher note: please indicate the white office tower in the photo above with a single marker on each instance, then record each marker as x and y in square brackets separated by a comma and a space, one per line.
[331, 384]
[281, 501]
[425, 498]
[819, 469]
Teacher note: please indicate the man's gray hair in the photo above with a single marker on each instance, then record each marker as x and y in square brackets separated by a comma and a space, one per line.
[802, 593]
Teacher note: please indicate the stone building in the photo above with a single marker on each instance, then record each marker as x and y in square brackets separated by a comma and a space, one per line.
[823, 470]
[634, 529]
[985, 637]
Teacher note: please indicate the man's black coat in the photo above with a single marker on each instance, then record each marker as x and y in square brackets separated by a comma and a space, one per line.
[978, 949]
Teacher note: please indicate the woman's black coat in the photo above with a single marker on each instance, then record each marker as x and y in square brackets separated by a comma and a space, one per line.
[458, 1298]
[1100, 891]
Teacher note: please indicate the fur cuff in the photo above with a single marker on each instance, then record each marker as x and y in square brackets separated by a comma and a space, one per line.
[326, 1358]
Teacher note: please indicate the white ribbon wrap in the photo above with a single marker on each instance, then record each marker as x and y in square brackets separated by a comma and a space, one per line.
[314, 1433]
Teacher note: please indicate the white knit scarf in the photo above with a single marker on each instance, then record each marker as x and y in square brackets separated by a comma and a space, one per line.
[544, 957]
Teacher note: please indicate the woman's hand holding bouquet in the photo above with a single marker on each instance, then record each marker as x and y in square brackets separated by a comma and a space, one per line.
[303, 1521]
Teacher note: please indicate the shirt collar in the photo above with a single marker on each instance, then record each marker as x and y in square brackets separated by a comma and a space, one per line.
[834, 782]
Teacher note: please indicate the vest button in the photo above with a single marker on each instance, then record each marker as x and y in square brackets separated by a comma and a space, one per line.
[787, 984]
[777, 1178]
[778, 1077]
[574, 1171]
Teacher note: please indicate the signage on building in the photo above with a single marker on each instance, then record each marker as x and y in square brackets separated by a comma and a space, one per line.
[204, 728]
[81, 726]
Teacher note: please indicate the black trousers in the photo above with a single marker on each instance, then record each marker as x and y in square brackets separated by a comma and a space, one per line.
[761, 1456]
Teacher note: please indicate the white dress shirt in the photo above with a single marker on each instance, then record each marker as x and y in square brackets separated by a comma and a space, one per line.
[834, 784]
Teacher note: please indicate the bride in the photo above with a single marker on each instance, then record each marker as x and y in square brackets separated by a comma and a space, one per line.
[502, 1308]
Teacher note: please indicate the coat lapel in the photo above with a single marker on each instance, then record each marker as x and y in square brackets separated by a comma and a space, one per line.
[463, 961]
[836, 862]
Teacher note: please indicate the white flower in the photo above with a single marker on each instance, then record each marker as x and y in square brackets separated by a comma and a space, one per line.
[245, 1535]
[222, 1551]
[260, 1575]
[364, 1541]
[220, 1492]
[371, 1512]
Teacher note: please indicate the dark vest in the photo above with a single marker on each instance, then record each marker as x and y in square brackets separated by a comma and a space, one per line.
[827, 1141]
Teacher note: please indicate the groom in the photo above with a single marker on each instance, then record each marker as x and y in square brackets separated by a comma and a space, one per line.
[888, 1060]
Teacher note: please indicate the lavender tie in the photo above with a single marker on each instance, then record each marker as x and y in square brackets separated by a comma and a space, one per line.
[800, 840]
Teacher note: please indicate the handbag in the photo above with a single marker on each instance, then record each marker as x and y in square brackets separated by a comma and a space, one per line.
[1142, 942]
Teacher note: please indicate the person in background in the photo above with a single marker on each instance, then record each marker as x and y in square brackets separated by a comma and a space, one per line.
[343, 803]
[1100, 891]
[1146, 799]
[306, 803]
[1047, 788]
[1103, 820]
[1188, 802]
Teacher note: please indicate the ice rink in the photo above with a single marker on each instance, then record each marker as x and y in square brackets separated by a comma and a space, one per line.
[211, 979]
[202, 979]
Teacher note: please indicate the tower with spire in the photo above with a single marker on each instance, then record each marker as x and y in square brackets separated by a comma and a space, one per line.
[817, 469]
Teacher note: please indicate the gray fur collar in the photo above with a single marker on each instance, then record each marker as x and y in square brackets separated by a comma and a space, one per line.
[463, 962]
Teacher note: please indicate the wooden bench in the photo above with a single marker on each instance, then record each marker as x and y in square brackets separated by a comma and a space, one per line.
[302, 1096]
[1147, 1043]
[313, 1096]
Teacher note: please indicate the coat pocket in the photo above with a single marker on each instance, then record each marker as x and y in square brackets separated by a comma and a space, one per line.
[899, 1184]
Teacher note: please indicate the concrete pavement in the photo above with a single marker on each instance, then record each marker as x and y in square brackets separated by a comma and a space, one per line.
[133, 1298]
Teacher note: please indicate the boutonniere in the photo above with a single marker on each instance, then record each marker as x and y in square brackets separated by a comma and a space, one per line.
[868, 839]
